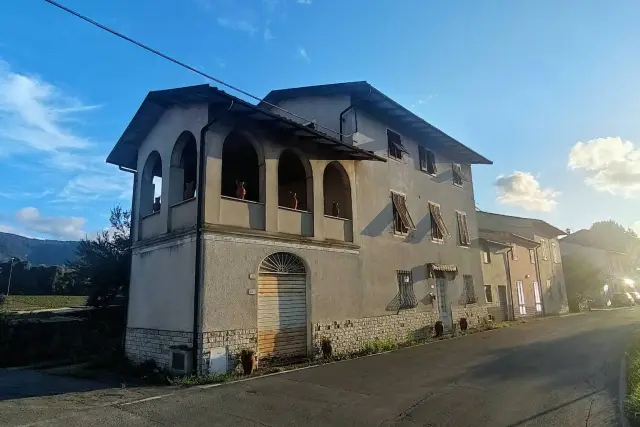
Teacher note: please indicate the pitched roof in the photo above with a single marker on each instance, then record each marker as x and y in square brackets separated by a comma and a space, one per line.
[378, 104]
[520, 222]
[157, 102]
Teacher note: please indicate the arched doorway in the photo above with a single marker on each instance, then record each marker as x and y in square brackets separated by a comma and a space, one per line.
[282, 306]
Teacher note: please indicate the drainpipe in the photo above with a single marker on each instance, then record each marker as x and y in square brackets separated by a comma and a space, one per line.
[132, 220]
[356, 113]
[350, 107]
[505, 255]
[544, 311]
[202, 156]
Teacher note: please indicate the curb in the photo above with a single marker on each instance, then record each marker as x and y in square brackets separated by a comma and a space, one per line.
[622, 392]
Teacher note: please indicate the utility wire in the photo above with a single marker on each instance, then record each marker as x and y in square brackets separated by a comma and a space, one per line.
[180, 63]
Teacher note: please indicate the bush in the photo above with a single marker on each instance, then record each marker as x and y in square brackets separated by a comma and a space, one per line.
[378, 346]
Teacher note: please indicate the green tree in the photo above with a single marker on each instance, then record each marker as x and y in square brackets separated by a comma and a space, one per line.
[102, 265]
[583, 280]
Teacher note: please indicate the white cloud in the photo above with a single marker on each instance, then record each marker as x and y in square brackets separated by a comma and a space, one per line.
[304, 1]
[57, 227]
[302, 54]
[220, 62]
[237, 25]
[7, 229]
[92, 186]
[36, 114]
[523, 190]
[20, 195]
[610, 165]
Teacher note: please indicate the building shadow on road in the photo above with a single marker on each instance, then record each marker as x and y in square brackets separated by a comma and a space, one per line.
[24, 383]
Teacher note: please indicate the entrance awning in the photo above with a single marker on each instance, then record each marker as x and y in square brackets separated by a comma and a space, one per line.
[433, 268]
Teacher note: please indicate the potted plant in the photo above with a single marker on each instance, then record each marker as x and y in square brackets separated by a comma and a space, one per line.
[439, 327]
[463, 323]
[327, 349]
[248, 359]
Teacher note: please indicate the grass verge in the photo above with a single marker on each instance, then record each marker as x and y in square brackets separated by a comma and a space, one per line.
[40, 302]
[632, 402]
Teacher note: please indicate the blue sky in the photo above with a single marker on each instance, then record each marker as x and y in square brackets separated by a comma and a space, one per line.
[548, 90]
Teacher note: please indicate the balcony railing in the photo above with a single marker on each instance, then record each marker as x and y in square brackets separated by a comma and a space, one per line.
[151, 225]
[183, 214]
[241, 213]
[293, 221]
[340, 229]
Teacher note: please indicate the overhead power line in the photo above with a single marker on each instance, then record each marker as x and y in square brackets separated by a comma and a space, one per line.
[180, 63]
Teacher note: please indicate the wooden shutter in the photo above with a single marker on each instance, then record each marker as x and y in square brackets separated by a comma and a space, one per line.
[401, 207]
[464, 230]
[437, 216]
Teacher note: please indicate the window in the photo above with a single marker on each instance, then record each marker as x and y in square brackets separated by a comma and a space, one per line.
[521, 303]
[536, 293]
[486, 254]
[406, 295]
[402, 221]
[427, 160]
[488, 293]
[151, 185]
[514, 256]
[545, 249]
[394, 142]
[438, 227]
[469, 289]
[457, 174]
[555, 252]
[548, 284]
[463, 229]
[532, 256]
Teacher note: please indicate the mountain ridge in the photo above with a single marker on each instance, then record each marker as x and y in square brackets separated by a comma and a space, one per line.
[37, 251]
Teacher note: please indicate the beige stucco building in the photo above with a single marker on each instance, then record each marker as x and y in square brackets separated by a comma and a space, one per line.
[522, 254]
[345, 218]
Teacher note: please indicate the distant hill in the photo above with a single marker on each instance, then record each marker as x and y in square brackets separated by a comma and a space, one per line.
[49, 252]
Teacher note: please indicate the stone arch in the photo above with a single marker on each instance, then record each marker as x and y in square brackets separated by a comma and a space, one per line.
[295, 181]
[151, 185]
[183, 175]
[242, 167]
[337, 191]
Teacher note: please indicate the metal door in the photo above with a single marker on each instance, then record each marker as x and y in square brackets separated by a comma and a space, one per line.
[443, 303]
[282, 306]
[504, 304]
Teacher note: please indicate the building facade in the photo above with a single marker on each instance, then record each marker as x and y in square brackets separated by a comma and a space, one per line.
[256, 229]
[533, 263]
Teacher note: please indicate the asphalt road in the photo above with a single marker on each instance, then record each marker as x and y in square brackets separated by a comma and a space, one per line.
[551, 372]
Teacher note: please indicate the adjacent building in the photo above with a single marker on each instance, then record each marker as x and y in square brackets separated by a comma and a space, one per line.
[523, 264]
[614, 263]
[325, 212]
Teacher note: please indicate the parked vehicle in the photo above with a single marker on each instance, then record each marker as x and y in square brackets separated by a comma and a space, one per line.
[636, 296]
[622, 299]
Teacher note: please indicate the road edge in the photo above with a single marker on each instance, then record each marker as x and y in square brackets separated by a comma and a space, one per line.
[622, 392]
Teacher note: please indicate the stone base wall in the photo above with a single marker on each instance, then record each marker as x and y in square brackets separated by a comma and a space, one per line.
[475, 315]
[143, 344]
[234, 341]
[351, 335]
